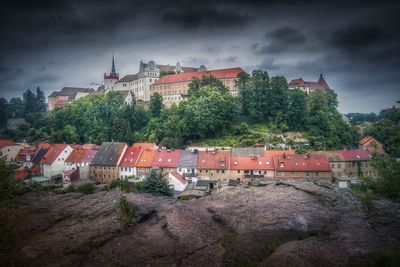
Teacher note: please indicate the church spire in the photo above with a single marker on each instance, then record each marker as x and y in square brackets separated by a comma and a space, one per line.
[113, 65]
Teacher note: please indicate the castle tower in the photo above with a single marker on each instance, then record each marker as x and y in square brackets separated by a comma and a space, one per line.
[111, 79]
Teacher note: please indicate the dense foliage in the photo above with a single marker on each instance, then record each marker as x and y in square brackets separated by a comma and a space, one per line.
[156, 184]
[387, 130]
[357, 118]
[209, 113]
[388, 182]
[269, 100]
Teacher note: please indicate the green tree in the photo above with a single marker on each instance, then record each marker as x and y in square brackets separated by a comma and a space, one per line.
[16, 107]
[156, 184]
[29, 99]
[7, 183]
[278, 98]
[3, 112]
[388, 182]
[297, 112]
[156, 104]
[206, 81]
[40, 101]
[387, 132]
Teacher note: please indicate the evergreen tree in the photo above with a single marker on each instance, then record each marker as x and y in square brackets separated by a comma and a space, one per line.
[3, 112]
[297, 113]
[40, 101]
[16, 107]
[156, 105]
[156, 184]
[29, 99]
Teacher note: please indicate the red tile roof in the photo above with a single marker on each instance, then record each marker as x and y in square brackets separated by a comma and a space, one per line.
[166, 158]
[320, 84]
[302, 163]
[27, 151]
[214, 160]
[90, 153]
[372, 145]
[145, 159]
[6, 142]
[360, 154]
[130, 157]
[188, 76]
[252, 163]
[52, 154]
[145, 145]
[77, 155]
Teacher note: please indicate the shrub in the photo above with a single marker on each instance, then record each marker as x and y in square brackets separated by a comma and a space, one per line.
[86, 188]
[127, 212]
[121, 184]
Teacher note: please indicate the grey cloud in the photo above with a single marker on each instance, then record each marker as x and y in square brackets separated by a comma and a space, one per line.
[281, 39]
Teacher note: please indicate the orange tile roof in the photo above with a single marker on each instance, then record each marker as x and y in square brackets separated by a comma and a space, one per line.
[188, 76]
[145, 159]
[214, 160]
[271, 153]
[52, 154]
[252, 163]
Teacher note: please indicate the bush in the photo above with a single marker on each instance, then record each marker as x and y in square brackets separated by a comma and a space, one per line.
[156, 184]
[127, 212]
[121, 184]
[86, 188]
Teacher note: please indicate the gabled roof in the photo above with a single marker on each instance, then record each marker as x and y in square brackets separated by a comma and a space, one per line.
[373, 145]
[145, 159]
[332, 156]
[214, 160]
[188, 76]
[89, 156]
[27, 151]
[130, 157]
[302, 163]
[128, 78]
[166, 158]
[188, 159]
[53, 153]
[360, 154]
[108, 154]
[82, 154]
[247, 151]
[366, 139]
[252, 163]
[6, 142]
[41, 151]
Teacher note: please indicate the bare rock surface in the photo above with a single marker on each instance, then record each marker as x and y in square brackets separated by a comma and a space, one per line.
[282, 224]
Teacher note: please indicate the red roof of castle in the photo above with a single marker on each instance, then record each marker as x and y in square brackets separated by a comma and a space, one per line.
[52, 154]
[252, 163]
[166, 158]
[188, 76]
[130, 157]
[214, 160]
[320, 84]
[302, 163]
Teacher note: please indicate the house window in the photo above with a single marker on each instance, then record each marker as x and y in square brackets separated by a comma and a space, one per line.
[338, 166]
[238, 171]
[333, 165]
[307, 174]
[223, 171]
[317, 173]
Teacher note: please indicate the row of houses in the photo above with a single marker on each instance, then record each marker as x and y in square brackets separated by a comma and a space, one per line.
[68, 163]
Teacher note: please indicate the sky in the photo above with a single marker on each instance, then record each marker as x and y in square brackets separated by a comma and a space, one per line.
[354, 44]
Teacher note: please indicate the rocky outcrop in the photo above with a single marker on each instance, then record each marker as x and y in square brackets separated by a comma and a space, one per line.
[281, 224]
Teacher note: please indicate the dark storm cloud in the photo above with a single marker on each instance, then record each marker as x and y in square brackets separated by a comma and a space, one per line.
[354, 44]
[281, 39]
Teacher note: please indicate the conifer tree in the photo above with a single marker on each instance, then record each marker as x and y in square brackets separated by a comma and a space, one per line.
[156, 184]
[40, 100]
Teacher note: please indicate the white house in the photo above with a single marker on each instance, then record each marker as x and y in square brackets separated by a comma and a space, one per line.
[176, 181]
[10, 151]
[53, 162]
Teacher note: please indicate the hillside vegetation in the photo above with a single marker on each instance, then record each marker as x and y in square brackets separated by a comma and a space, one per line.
[265, 105]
